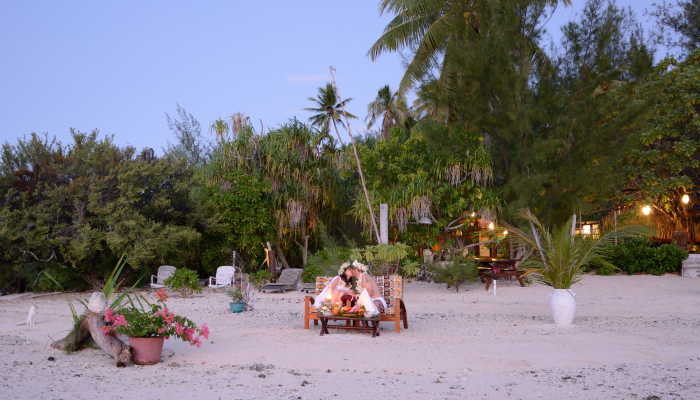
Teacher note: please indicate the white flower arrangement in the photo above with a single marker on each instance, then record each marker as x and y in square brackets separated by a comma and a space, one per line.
[355, 264]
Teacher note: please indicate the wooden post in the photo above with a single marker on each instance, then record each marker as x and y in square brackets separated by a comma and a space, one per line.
[271, 263]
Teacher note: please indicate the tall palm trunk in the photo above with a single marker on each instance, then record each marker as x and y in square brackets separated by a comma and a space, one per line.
[357, 158]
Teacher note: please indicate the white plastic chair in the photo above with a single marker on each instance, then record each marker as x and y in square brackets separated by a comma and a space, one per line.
[164, 272]
[224, 277]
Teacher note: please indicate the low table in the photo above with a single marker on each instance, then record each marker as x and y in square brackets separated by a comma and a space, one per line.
[373, 324]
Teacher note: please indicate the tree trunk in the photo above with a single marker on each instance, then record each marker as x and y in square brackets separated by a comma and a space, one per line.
[280, 255]
[90, 325]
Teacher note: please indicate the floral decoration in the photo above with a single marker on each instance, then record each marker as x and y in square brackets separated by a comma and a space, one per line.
[156, 321]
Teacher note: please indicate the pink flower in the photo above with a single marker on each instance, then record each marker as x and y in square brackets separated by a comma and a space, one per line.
[204, 331]
[179, 328]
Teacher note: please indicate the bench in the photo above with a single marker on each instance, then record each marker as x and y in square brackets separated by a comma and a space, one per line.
[392, 291]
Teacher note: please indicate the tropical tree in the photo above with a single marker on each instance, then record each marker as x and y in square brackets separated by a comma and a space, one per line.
[390, 107]
[326, 109]
[664, 166]
[219, 128]
[435, 30]
[191, 145]
[432, 178]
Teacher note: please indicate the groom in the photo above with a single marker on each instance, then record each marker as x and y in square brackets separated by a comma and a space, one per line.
[370, 284]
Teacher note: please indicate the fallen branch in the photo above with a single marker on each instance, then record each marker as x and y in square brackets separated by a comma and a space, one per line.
[90, 326]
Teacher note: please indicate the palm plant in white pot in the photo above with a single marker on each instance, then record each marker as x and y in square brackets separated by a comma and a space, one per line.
[556, 257]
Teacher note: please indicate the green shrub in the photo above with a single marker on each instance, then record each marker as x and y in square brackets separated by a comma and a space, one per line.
[456, 273]
[260, 278]
[669, 258]
[637, 255]
[311, 272]
[184, 281]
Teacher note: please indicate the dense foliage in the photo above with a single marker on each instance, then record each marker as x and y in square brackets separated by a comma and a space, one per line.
[640, 255]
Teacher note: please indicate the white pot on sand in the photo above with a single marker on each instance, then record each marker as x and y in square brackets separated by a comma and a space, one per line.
[562, 303]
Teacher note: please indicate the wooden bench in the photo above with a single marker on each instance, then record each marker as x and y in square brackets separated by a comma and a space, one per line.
[392, 291]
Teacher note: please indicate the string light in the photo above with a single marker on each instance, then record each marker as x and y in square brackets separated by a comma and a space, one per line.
[646, 210]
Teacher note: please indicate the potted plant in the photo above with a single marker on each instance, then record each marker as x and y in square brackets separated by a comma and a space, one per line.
[556, 257]
[148, 326]
[237, 299]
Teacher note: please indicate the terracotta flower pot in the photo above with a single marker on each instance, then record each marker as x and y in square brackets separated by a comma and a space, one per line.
[147, 350]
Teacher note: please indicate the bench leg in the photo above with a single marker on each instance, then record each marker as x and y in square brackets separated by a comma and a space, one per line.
[404, 314]
[397, 321]
[306, 313]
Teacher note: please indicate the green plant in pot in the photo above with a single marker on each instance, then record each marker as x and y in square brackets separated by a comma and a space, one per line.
[237, 298]
[556, 257]
[147, 326]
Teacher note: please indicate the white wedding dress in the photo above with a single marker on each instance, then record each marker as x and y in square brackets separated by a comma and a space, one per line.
[318, 300]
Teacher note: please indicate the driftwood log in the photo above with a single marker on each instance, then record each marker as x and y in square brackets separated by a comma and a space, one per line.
[90, 326]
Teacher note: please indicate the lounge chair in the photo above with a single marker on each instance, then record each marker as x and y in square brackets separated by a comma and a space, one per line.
[308, 287]
[164, 272]
[288, 280]
[392, 288]
[224, 277]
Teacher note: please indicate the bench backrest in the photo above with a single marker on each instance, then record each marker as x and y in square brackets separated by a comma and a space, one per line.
[391, 287]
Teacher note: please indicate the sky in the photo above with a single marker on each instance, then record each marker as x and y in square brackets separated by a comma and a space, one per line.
[120, 66]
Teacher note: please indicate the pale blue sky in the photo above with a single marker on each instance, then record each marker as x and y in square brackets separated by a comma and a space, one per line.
[118, 66]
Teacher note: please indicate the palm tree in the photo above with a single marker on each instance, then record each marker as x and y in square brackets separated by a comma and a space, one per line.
[327, 106]
[561, 256]
[219, 128]
[389, 106]
[435, 28]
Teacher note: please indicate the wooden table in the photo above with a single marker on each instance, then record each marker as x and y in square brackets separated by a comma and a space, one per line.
[372, 322]
[506, 268]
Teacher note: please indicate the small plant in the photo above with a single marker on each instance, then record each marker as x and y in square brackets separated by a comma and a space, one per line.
[235, 293]
[184, 281]
[240, 295]
[260, 278]
[310, 273]
[153, 320]
[456, 273]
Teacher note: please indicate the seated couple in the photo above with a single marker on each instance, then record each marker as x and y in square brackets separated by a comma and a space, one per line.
[355, 284]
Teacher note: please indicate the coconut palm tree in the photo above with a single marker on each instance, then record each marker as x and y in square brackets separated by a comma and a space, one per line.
[327, 107]
[389, 106]
[436, 29]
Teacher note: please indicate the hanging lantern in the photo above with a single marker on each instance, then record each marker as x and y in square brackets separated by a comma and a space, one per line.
[491, 225]
[686, 199]
[505, 233]
[646, 210]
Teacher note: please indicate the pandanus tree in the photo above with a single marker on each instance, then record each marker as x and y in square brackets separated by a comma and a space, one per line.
[304, 172]
[432, 178]
[326, 109]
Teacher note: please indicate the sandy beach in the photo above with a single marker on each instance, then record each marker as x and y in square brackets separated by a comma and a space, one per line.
[634, 337]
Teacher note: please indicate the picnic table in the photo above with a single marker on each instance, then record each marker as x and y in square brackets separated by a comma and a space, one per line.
[355, 325]
[506, 267]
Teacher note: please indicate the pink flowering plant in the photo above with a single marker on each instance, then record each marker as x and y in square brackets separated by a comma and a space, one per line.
[153, 320]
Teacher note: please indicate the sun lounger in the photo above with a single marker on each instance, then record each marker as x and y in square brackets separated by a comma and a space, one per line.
[392, 288]
[288, 280]
[308, 287]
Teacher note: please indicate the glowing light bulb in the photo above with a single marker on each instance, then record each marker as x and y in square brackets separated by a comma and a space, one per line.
[505, 233]
[686, 199]
[491, 225]
[646, 210]
[473, 214]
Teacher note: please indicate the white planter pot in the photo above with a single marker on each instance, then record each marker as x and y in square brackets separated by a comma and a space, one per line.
[562, 303]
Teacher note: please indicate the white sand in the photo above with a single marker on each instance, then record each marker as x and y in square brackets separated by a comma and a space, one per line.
[634, 337]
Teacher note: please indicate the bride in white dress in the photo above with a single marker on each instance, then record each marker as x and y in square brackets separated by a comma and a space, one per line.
[335, 289]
